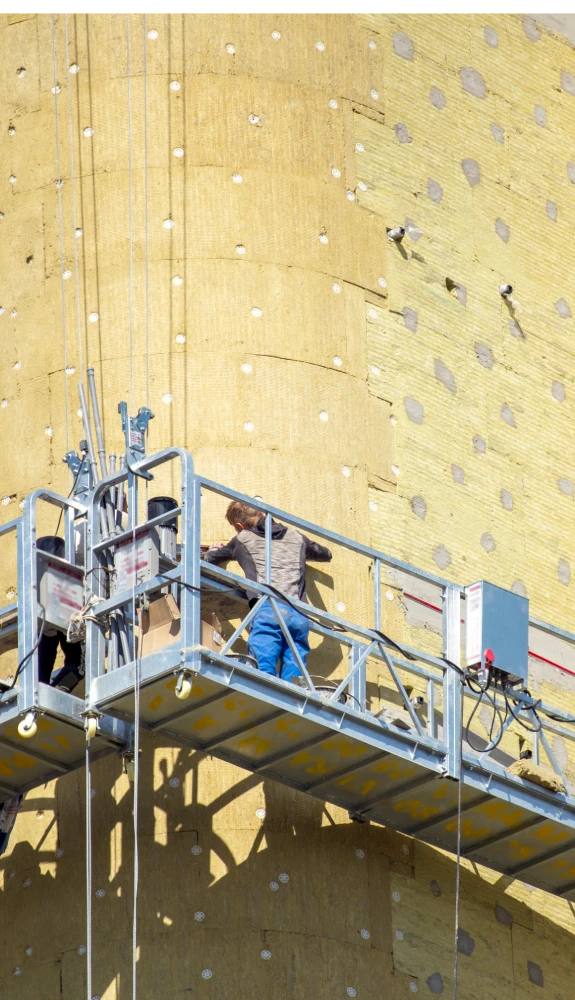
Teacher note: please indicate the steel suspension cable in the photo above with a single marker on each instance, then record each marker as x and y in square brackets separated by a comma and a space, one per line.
[458, 856]
[147, 291]
[61, 231]
[88, 874]
[73, 179]
[133, 508]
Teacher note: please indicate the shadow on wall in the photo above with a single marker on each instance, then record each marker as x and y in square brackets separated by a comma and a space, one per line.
[247, 888]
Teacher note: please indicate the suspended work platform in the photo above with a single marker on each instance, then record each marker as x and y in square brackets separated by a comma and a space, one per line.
[390, 757]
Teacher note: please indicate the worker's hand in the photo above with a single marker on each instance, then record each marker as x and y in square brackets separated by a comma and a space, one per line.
[216, 545]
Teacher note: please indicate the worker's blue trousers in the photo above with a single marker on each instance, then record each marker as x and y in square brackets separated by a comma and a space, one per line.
[268, 644]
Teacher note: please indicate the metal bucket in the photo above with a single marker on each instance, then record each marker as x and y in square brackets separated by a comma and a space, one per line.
[168, 531]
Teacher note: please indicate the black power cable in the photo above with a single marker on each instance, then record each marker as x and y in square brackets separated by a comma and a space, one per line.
[25, 658]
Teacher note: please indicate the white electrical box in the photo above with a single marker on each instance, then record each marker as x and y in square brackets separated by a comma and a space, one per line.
[136, 561]
[496, 629]
[60, 589]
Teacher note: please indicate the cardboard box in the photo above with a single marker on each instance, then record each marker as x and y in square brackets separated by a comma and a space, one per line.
[161, 626]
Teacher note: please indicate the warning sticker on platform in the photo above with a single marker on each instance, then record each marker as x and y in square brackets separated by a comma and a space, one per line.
[135, 562]
[61, 593]
[473, 623]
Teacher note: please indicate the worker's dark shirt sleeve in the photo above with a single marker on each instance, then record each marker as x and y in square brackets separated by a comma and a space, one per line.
[315, 552]
[222, 553]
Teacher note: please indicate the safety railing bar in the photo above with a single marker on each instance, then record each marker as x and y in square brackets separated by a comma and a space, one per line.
[401, 689]
[127, 535]
[353, 629]
[125, 597]
[243, 625]
[150, 462]
[288, 638]
[552, 629]
[55, 499]
[10, 526]
[365, 653]
[8, 609]
[552, 757]
[268, 548]
[325, 533]
[377, 593]
[431, 708]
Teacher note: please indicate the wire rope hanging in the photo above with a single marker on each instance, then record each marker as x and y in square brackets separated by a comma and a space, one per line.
[56, 91]
[73, 180]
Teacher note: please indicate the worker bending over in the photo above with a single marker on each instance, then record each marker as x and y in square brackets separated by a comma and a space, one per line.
[289, 552]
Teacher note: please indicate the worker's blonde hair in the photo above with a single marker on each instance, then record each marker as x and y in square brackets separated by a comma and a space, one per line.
[242, 513]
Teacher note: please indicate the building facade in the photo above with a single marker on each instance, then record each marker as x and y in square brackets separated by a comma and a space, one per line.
[198, 206]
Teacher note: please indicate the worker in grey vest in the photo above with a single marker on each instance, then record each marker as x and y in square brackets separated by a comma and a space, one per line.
[289, 552]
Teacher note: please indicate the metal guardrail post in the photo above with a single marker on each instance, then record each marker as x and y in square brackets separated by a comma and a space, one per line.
[27, 606]
[452, 720]
[357, 687]
[191, 526]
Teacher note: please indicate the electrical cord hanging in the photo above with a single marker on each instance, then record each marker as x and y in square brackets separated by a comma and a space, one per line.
[31, 652]
[458, 852]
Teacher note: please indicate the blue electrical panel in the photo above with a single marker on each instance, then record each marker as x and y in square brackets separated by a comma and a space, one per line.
[496, 629]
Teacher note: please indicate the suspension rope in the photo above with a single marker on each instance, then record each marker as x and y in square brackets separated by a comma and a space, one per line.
[130, 217]
[133, 509]
[88, 874]
[147, 293]
[73, 179]
[458, 861]
[61, 228]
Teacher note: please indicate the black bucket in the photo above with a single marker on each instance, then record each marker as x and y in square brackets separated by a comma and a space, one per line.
[53, 545]
[159, 505]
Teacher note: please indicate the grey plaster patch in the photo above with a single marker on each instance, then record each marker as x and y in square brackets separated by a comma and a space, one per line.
[414, 410]
[441, 557]
[472, 172]
[444, 375]
[565, 487]
[410, 319]
[561, 752]
[515, 330]
[568, 83]
[472, 82]
[551, 209]
[518, 587]
[484, 355]
[488, 542]
[465, 943]
[558, 391]
[486, 718]
[458, 475]
[571, 172]
[435, 888]
[401, 132]
[497, 133]
[507, 415]
[435, 983]
[563, 309]
[564, 572]
[434, 191]
[506, 499]
[540, 115]
[502, 230]
[535, 974]
[503, 916]
[413, 230]
[402, 45]
[531, 30]
[419, 507]
[479, 444]
[461, 294]
[491, 37]
[437, 98]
